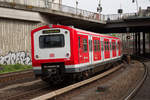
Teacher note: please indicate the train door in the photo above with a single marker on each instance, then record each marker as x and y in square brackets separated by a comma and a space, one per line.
[114, 48]
[106, 48]
[83, 49]
[119, 48]
[96, 49]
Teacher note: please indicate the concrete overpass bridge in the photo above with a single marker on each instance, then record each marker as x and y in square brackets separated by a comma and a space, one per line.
[54, 13]
[60, 14]
[135, 23]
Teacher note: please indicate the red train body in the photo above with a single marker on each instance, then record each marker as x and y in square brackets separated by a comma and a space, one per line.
[59, 50]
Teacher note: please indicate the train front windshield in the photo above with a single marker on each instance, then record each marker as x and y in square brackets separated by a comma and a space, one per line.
[51, 41]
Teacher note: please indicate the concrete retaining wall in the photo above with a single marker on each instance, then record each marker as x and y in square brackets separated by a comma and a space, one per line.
[15, 29]
[15, 41]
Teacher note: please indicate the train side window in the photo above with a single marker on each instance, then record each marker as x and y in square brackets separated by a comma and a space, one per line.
[95, 45]
[98, 45]
[105, 45]
[79, 42]
[118, 45]
[102, 48]
[113, 45]
[90, 45]
[108, 45]
[85, 45]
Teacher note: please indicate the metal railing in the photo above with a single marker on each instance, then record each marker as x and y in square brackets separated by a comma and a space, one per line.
[117, 17]
[114, 17]
[73, 11]
[57, 7]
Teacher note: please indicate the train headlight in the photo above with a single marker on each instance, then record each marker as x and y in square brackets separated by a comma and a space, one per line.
[66, 32]
[67, 54]
[36, 56]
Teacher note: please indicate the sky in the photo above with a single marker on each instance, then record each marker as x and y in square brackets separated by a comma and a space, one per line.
[109, 6]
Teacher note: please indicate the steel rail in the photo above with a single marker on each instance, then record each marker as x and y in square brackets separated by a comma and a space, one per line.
[12, 73]
[134, 91]
[25, 94]
[76, 85]
[15, 75]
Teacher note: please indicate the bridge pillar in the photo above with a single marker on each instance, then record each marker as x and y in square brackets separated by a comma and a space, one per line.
[133, 52]
[143, 43]
[149, 43]
[139, 45]
[136, 43]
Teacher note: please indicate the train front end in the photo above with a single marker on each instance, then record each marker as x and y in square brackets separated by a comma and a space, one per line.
[50, 51]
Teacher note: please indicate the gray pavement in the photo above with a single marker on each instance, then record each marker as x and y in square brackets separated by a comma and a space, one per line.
[144, 92]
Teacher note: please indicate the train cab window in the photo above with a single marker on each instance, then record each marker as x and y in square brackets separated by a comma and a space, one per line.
[51, 41]
[85, 45]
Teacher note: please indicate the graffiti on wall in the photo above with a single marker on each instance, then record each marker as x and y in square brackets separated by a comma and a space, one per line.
[16, 58]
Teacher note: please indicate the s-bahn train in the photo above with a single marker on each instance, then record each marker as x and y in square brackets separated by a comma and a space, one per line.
[59, 51]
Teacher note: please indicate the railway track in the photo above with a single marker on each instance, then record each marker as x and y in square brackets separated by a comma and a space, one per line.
[46, 92]
[27, 94]
[42, 89]
[76, 85]
[23, 91]
[133, 92]
[64, 90]
[16, 76]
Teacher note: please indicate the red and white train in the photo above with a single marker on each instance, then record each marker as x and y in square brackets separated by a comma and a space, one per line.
[62, 50]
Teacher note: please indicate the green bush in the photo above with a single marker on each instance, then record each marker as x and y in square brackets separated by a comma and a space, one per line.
[14, 68]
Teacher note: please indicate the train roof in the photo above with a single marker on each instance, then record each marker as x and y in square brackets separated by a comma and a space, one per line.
[102, 35]
[78, 30]
[88, 32]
